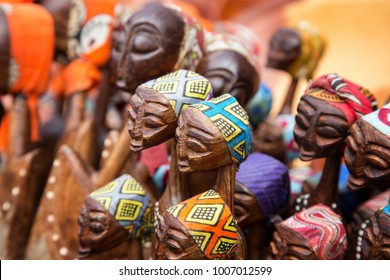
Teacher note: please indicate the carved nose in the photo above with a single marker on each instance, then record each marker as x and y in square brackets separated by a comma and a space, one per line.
[308, 142]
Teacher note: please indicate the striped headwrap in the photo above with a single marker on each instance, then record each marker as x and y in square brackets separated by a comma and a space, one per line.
[268, 179]
[126, 200]
[353, 100]
[210, 223]
[380, 119]
[233, 122]
[323, 230]
[182, 88]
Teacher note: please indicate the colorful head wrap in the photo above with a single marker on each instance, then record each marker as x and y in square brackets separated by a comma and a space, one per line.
[89, 30]
[312, 47]
[380, 119]
[260, 105]
[31, 56]
[386, 210]
[287, 123]
[323, 230]
[233, 122]
[210, 223]
[192, 46]
[126, 200]
[353, 100]
[268, 179]
[225, 41]
[182, 88]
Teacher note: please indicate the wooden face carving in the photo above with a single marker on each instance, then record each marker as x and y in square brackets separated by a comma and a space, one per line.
[151, 46]
[98, 230]
[174, 242]
[230, 72]
[320, 128]
[367, 156]
[246, 206]
[151, 119]
[376, 240]
[201, 145]
[284, 49]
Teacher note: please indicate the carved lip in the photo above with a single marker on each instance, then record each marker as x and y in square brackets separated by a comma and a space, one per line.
[183, 165]
[84, 252]
[120, 84]
[306, 155]
[354, 183]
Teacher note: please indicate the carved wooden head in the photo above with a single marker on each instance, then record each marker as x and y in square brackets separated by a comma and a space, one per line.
[159, 39]
[230, 67]
[156, 105]
[315, 233]
[326, 111]
[367, 154]
[201, 227]
[296, 50]
[212, 134]
[262, 189]
[121, 206]
[376, 240]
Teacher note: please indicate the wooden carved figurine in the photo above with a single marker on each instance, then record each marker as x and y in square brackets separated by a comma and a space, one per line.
[25, 56]
[316, 233]
[114, 220]
[159, 40]
[231, 67]
[261, 192]
[200, 228]
[296, 50]
[376, 237]
[367, 154]
[360, 221]
[326, 112]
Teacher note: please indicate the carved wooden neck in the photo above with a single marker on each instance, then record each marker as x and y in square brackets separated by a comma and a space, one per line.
[286, 107]
[327, 189]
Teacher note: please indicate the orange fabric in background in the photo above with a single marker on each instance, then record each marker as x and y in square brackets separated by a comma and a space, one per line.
[31, 30]
[101, 55]
[80, 75]
[193, 11]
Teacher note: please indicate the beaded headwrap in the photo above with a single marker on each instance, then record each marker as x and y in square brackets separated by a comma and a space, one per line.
[182, 88]
[210, 223]
[268, 179]
[233, 122]
[126, 200]
[380, 119]
[312, 48]
[31, 51]
[353, 100]
[323, 230]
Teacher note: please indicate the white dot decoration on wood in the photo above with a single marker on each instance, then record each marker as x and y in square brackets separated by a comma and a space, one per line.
[6, 205]
[50, 195]
[55, 237]
[22, 172]
[105, 154]
[50, 218]
[107, 142]
[15, 191]
[52, 179]
[63, 251]
[56, 163]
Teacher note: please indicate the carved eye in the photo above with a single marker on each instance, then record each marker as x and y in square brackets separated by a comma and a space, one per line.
[174, 246]
[302, 121]
[377, 162]
[196, 145]
[153, 121]
[143, 43]
[328, 132]
[97, 227]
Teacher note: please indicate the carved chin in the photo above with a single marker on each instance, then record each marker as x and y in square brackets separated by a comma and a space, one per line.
[354, 183]
[305, 155]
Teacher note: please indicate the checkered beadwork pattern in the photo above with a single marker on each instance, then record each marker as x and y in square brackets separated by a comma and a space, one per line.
[126, 200]
[233, 122]
[210, 223]
[182, 88]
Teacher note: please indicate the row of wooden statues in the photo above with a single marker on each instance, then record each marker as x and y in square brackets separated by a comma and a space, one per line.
[196, 182]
